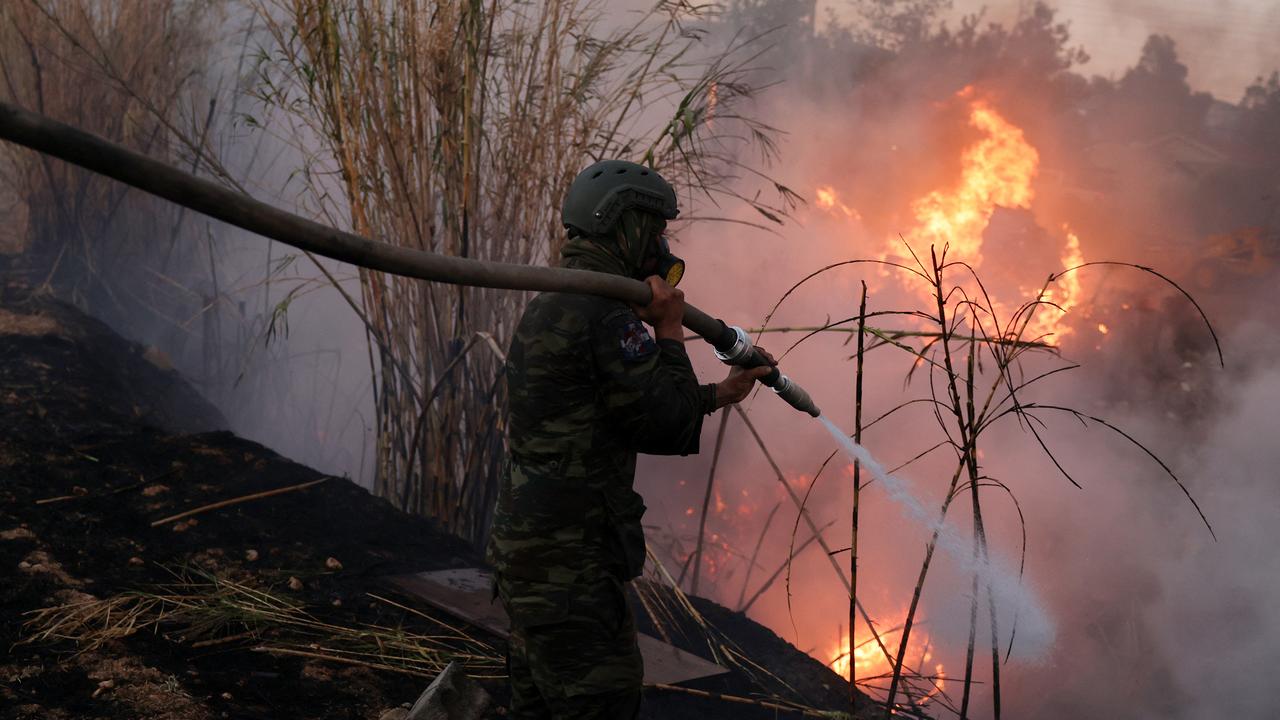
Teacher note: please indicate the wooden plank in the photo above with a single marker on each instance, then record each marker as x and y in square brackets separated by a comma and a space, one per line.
[467, 593]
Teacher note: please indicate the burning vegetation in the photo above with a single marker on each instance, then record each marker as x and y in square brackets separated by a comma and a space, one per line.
[985, 145]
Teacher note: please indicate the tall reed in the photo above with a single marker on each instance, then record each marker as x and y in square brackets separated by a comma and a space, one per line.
[965, 325]
[456, 128]
[82, 232]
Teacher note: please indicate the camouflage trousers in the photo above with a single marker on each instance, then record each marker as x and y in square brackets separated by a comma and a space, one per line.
[572, 651]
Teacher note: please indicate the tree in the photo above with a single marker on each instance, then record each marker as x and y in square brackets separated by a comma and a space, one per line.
[1154, 98]
[1260, 126]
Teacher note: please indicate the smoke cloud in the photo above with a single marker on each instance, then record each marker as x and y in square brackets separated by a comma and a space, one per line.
[1154, 618]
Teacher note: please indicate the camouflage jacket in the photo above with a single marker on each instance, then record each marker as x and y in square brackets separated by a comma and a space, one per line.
[589, 388]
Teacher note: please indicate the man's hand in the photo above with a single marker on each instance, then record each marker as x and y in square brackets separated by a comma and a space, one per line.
[665, 311]
[738, 384]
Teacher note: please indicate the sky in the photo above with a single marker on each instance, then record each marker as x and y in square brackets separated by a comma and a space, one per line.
[1225, 43]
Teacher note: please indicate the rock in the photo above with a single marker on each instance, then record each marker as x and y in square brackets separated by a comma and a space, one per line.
[294, 583]
[40, 562]
[333, 564]
[451, 696]
[18, 533]
[250, 555]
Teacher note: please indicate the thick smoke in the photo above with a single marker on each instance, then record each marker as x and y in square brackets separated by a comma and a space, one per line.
[1154, 617]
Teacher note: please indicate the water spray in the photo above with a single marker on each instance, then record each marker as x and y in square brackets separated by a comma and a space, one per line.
[1036, 627]
[204, 196]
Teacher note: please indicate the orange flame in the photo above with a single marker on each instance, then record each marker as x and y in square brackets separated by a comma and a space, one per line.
[827, 199]
[869, 662]
[998, 170]
[1064, 293]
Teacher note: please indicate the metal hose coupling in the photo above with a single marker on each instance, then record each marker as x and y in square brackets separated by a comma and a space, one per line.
[795, 396]
[740, 351]
[734, 347]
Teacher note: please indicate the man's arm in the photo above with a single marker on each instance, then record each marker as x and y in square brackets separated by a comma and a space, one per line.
[651, 395]
[665, 312]
[651, 389]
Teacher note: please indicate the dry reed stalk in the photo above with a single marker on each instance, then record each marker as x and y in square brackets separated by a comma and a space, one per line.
[755, 555]
[737, 700]
[888, 333]
[706, 503]
[857, 490]
[237, 500]
[335, 658]
[980, 553]
[965, 448]
[971, 465]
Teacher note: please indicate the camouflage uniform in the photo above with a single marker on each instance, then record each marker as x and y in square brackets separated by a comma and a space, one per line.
[589, 388]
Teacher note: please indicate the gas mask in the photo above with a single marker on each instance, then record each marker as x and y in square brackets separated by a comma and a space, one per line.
[670, 267]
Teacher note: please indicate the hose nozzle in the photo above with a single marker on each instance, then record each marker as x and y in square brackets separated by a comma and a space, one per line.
[795, 396]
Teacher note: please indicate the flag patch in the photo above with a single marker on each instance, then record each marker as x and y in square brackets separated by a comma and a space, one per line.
[636, 342]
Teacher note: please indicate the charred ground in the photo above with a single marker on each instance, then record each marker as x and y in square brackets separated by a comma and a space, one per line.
[101, 439]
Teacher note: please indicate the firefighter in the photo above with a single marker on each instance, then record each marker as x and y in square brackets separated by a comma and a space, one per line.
[590, 387]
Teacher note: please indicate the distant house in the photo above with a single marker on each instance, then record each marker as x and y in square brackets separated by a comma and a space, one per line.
[1177, 154]
[1180, 152]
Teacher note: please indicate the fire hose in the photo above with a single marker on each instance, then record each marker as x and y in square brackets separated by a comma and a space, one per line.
[732, 344]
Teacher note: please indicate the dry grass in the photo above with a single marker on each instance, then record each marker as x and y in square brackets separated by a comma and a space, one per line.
[203, 610]
[12, 323]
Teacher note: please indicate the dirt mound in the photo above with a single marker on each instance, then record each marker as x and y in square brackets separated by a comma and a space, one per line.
[105, 441]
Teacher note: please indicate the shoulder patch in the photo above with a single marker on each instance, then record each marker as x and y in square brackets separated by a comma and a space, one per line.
[635, 341]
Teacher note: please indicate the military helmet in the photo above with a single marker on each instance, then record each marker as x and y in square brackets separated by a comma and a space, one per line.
[599, 194]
